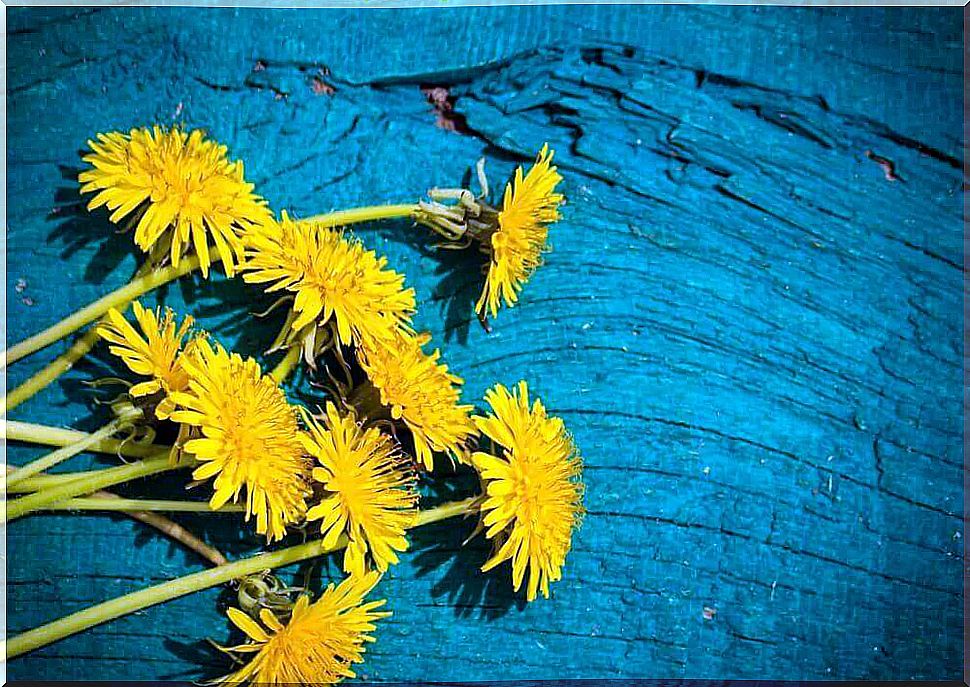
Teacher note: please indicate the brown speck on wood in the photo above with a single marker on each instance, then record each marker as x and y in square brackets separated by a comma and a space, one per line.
[321, 87]
[438, 96]
[887, 165]
[444, 107]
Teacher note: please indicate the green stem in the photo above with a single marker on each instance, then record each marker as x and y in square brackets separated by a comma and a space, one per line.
[49, 373]
[286, 365]
[136, 601]
[364, 214]
[121, 298]
[57, 436]
[64, 453]
[144, 505]
[159, 522]
[97, 479]
[447, 510]
[40, 482]
[145, 279]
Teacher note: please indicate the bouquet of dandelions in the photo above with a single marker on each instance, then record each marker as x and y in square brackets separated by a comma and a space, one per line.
[348, 467]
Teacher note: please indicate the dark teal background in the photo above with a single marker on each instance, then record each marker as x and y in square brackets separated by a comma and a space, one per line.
[751, 318]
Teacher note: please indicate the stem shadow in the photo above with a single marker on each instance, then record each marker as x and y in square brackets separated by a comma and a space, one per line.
[227, 532]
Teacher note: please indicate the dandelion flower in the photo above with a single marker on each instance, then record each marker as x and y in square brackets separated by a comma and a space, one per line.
[533, 496]
[156, 353]
[317, 645]
[512, 236]
[181, 188]
[529, 205]
[369, 492]
[249, 438]
[333, 278]
[419, 390]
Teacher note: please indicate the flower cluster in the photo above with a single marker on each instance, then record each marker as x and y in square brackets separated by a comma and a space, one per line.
[156, 353]
[513, 237]
[417, 389]
[180, 188]
[348, 467]
[334, 281]
[318, 645]
[533, 493]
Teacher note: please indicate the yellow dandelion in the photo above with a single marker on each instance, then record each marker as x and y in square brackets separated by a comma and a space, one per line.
[317, 645]
[533, 496]
[156, 353]
[181, 188]
[419, 390]
[333, 277]
[369, 492]
[529, 205]
[249, 437]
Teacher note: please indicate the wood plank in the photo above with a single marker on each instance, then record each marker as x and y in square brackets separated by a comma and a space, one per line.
[750, 319]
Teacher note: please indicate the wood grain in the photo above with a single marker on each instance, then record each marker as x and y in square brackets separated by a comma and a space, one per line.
[750, 319]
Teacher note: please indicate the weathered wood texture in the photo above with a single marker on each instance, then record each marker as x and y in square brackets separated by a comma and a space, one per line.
[750, 319]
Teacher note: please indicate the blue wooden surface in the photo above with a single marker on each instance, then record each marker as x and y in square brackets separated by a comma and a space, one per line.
[751, 325]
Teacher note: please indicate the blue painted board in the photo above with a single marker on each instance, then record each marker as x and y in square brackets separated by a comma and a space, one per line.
[750, 319]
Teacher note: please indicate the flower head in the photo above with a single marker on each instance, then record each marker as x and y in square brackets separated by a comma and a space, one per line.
[182, 189]
[156, 353]
[317, 645]
[529, 205]
[533, 496]
[332, 276]
[369, 491]
[420, 391]
[249, 437]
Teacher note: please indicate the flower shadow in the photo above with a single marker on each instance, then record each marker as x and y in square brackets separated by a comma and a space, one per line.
[206, 662]
[315, 574]
[83, 388]
[451, 543]
[462, 584]
[457, 292]
[78, 228]
[459, 274]
[227, 307]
